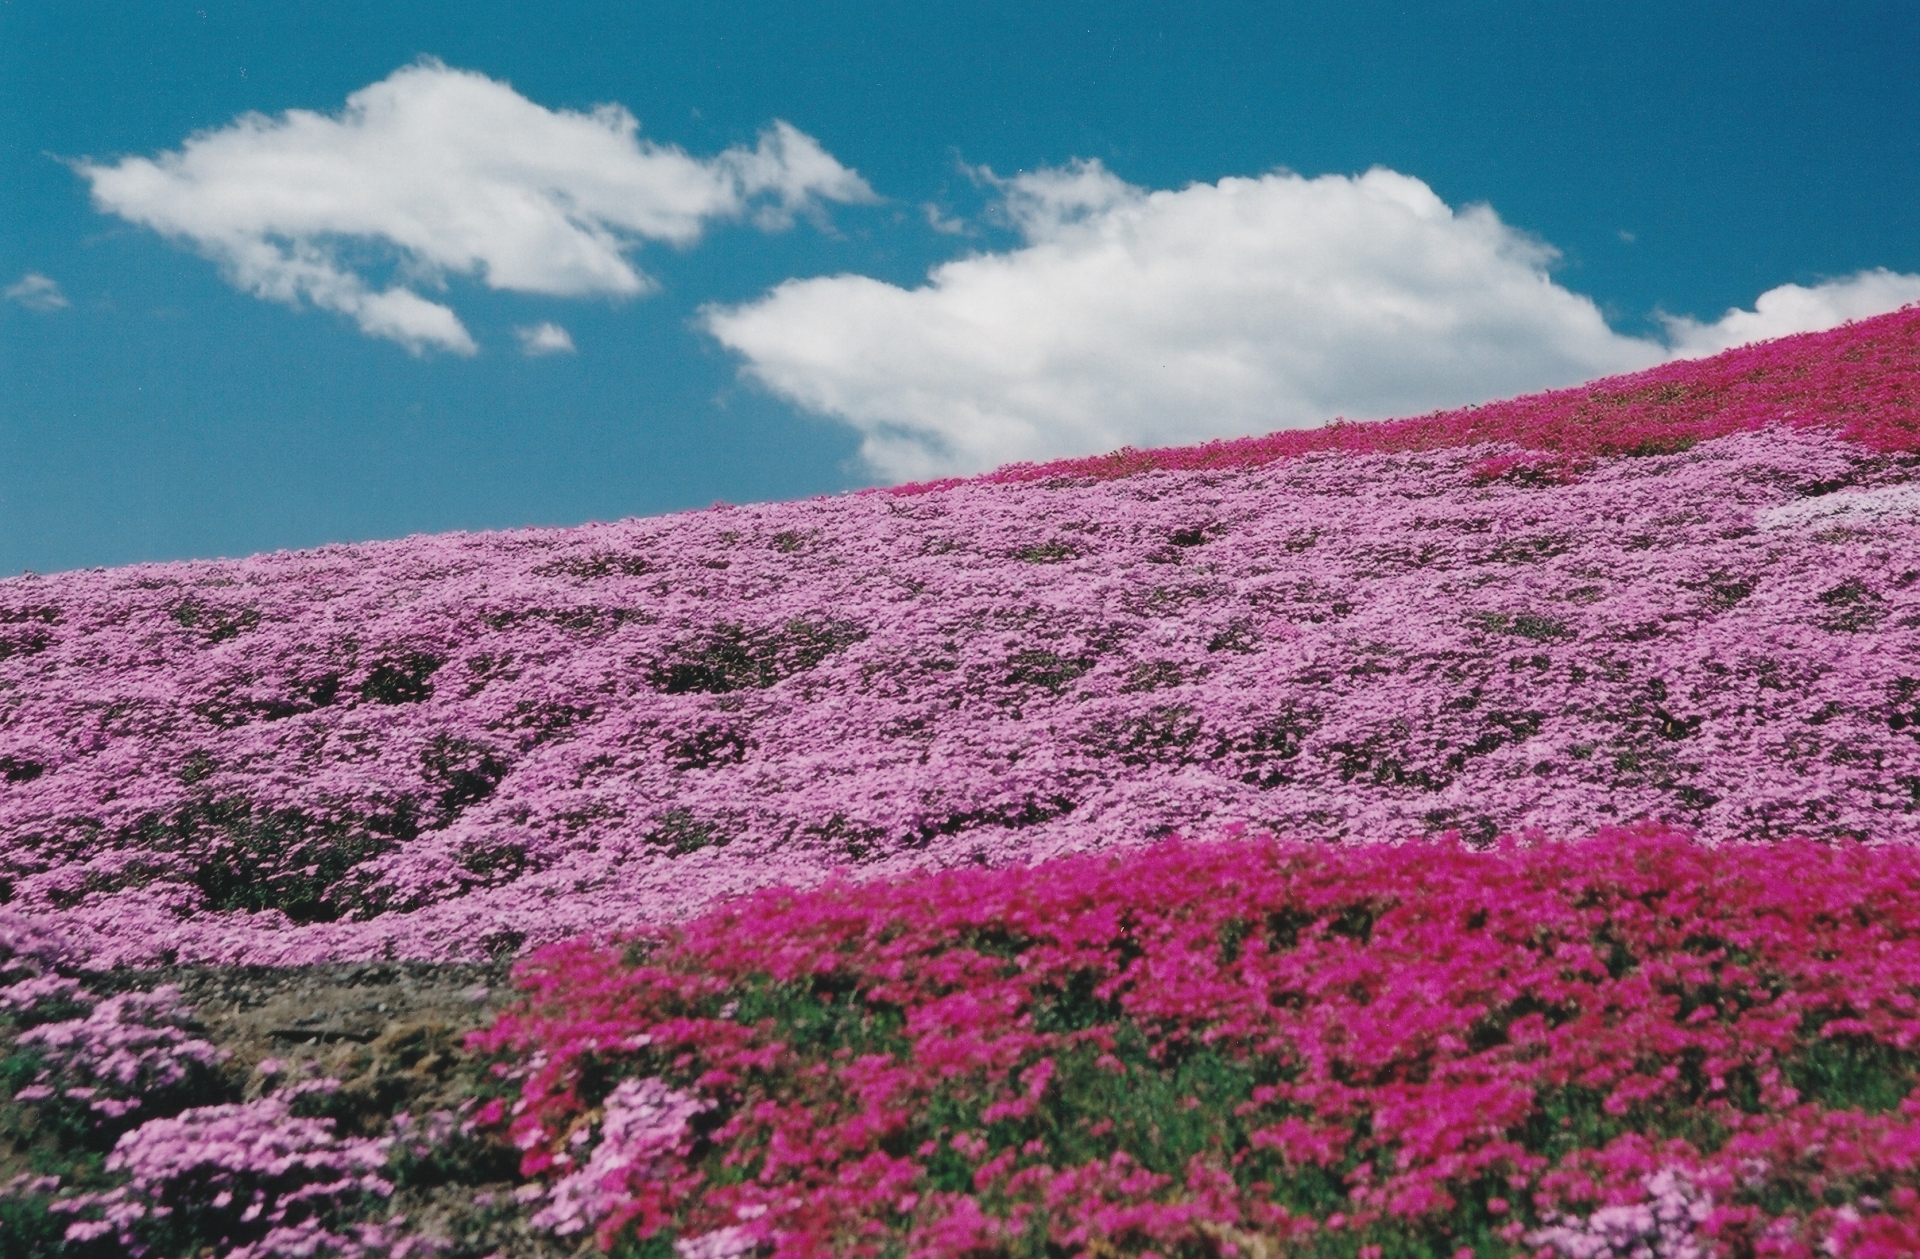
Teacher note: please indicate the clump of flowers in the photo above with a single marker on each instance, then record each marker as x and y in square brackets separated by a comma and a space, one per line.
[1632, 1044]
[1686, 597]
[644, 1136]
[79, 1068]
[30, 947]
[1665, 1224]
[255, 1180]
[128, 1050]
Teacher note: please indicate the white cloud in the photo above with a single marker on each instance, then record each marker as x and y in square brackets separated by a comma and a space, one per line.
[546, 338]
[1792, 308]
[451, 173]
[1130, 317]
[36, 292]
[1145, 318]
[939, 222]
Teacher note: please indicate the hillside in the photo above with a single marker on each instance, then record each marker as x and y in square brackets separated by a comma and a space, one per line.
[1491, 833]
[1690, 596]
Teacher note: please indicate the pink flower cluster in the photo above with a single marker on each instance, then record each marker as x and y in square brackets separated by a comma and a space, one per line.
[31, 948]
[105, 1056]
[1633, 1044]
[449, 746]
[127, 1048]
[644, 1135]
[253, 1181]
[257, 1180]
[1665, 1225]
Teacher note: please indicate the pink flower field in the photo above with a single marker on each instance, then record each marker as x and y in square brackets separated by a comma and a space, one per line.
[445, 745]
[1487, 833]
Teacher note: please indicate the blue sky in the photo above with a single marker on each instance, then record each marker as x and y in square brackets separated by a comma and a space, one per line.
[986, 232]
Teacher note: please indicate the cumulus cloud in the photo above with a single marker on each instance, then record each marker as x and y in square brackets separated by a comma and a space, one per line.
[36, 292]
[446, 172]
[1131, 317]
[1136, 317]
[546, 338]
[1792, 308]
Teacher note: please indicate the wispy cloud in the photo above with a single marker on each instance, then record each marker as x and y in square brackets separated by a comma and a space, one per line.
[939, 222]
[448, 172]
[36, 292]
[542, 339]
[1136, 317]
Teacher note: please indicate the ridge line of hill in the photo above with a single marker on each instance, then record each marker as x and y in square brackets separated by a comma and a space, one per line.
[1660, 410]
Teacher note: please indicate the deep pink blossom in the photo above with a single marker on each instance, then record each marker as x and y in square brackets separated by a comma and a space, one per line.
[1408, 1018]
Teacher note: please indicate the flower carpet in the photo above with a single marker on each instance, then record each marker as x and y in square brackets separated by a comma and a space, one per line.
[1487, 832]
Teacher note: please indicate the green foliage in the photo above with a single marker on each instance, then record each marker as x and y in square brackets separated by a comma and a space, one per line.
[597, 565]
[1054, 552]
[731, 657]
[1568, 1119]
[658, 1246]
[1845, 1073]
[495, 862]
[1047, 670]
[213, 624]
[1151, 675]
[822, 1017]
[1160, 735]
[1263, 755]
[1851, 606]
[20, 770]
[464, 772]
[27, 1229]
[254, 858]
[1240, 638]
[708, 747]
[66, 1137]
[680, 832]
[1526, 625]
[401, 681]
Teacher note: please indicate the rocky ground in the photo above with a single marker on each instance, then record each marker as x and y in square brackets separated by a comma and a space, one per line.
[394, 1022]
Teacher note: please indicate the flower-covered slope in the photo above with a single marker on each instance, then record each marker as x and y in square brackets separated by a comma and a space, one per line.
[1857, 380]
[1692, 596]
[1628, 1045]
